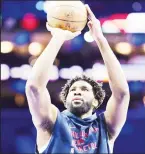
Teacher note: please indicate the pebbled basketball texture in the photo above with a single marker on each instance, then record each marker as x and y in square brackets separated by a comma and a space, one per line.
[67, 15]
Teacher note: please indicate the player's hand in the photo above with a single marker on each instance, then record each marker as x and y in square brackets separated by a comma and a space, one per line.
[64, 34]
[93, 24]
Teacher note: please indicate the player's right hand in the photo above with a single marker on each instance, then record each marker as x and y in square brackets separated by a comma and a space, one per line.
[64, 34]
[94, 24]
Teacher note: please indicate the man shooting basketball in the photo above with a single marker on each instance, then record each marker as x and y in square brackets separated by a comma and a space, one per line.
[77, 130]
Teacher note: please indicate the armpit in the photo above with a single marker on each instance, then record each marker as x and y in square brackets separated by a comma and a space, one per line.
[47, 125]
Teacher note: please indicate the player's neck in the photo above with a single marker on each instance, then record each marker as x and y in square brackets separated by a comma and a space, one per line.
[86, 115]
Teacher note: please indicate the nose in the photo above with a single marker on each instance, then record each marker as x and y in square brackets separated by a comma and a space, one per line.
[77, 92]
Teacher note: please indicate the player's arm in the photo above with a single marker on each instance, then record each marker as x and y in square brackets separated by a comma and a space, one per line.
[37, 94]
[39, 101]
[43, 112]
[117, 106]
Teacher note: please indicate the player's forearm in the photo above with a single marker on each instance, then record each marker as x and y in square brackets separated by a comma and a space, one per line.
[42, 67]
[117, 80]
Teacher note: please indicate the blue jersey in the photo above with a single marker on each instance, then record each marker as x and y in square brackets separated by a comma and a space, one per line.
[75, 135]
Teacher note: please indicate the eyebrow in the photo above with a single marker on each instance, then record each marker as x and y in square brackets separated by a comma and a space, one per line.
[84, 87]
[81, 87]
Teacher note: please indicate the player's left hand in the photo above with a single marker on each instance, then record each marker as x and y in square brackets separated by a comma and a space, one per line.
[93, 24]
[64, 34]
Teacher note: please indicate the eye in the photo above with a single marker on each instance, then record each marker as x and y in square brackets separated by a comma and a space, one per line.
[72, 89]
[85, 89]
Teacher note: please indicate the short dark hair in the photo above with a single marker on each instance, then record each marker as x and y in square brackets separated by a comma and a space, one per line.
[99, 93]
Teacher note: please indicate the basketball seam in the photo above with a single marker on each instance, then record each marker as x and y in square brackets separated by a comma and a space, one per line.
[66, 20]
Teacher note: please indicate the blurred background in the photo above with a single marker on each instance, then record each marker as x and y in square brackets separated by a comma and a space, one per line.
[24, 37]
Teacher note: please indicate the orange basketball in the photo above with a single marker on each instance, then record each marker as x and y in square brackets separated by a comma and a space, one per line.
[67, 15]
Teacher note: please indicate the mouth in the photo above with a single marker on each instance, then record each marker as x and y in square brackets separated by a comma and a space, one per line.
[77, 101]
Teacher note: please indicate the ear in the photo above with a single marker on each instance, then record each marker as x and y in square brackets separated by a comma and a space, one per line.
[95, 103]
[65, 105]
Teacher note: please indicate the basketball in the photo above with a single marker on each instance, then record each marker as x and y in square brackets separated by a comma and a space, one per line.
[67, 15]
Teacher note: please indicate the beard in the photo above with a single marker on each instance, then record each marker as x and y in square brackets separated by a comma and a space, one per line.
[79, 110]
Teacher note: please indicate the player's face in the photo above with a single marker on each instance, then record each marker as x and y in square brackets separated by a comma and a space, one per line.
[80, 97]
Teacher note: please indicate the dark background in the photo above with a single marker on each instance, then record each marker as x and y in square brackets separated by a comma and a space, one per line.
[18, 134]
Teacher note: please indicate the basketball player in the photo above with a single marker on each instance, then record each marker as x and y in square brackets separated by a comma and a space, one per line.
[77, 129]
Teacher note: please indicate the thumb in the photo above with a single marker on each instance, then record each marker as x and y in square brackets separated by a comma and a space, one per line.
[90, 24]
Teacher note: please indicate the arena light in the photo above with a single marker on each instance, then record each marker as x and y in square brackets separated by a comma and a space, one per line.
[110, 27]
[138, 59]
[25, 71]
[76, 70]
[137, 39]
[30, 22]
[35, 48]
[69, 73]
[15, 72]
[22, 38]
[98, 66]
[22, 50]
[88, 37]
[54, 75]
[18, 86]
[120, 23]
[5, 72]
[64, 73]
[40, 5]
[129, 72]
[135, 23]
[10, 23]
[123, 48]
[136, 6]
[19, 99]
[98, 72]
[88, 72]
[6, 47]
[129, 23]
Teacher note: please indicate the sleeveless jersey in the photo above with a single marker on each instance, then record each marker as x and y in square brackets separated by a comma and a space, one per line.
[72, 134]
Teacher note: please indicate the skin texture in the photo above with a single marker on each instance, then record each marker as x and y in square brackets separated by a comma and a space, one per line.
[80, 99]
[39, 100]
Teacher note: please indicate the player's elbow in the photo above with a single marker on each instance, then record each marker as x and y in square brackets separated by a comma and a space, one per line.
[122, 94]
[31, 87]
[28, 86]
[126, 91]
[126, 95]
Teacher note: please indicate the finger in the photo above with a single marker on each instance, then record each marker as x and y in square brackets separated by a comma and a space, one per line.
[88, 9]
[89, 24]
[90, 13]
[48, 27]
